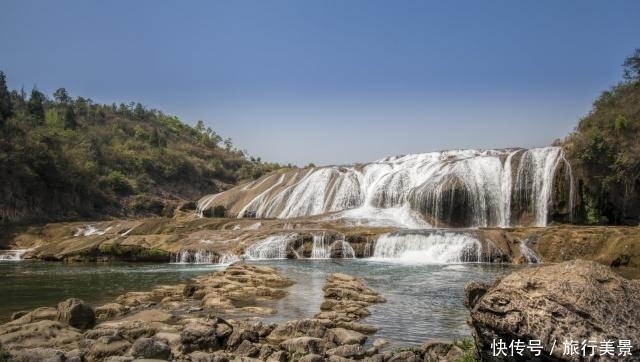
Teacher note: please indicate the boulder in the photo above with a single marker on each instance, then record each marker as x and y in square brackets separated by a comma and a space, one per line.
[346, 336]
[76, 313]
[576, 300]
[311, 358]
[149, 348]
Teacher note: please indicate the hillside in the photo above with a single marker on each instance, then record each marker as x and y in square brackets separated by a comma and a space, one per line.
[70, 158]
[604, 150]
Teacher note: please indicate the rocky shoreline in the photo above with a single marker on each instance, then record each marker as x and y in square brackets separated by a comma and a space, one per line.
[211, 318]
[218, 317]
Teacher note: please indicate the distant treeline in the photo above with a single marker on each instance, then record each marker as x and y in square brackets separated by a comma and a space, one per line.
[69, 158]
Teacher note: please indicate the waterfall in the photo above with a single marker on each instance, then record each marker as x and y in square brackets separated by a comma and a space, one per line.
[528, 254]
[366, 253]
[320, 247]
[345, 249]
[428, 247]
[12, 255]
[187, 256]
[272, 247]
[228, 258]
[459, 188]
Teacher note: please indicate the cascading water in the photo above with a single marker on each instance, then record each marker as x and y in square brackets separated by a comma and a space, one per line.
[462, 188]
[272, 247]
[12, 255]
[187, 256]
[344, 249]
[367, 252]
[320, 247]
[428, 247]
[528, 254]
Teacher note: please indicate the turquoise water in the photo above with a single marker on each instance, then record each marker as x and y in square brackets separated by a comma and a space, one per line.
[424, 301]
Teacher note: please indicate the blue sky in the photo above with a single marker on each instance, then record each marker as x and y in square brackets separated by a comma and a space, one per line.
[333, 82]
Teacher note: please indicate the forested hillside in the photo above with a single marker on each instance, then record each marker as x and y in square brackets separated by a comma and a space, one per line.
[67, 158]
[605, 152]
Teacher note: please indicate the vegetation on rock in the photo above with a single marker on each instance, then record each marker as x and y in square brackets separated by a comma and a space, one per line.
[605, 152]
[66, 158]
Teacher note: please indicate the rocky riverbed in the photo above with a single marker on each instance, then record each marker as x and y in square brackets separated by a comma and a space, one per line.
[159, 238]
[211, 318]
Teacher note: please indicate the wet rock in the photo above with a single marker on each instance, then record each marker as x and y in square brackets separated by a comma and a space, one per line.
[575, 300]
[346, 336]
[303, 345]
[149, 348]
[76, 313]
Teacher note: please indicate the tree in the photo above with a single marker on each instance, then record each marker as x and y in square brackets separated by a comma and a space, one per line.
[69, 118]
[632, 66]
[6, 108]
[35, 106]
[61, 96]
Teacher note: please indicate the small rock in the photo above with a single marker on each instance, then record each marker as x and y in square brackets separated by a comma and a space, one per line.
[303, 345]
[311, 358]
[149, 348]
[348, 351]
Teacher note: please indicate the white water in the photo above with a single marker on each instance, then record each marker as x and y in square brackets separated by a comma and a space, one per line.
[529, 255]
[187, 256]
[346, 251]
[89, 230]
[12, 255]
[404, 191]
[272, 247]
[320, 247]
[440, 247]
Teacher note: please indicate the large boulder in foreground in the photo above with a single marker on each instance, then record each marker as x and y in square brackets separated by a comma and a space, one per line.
[576, 300]
[76, 313]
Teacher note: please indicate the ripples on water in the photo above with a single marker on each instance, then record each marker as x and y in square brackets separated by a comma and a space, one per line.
[423, 301]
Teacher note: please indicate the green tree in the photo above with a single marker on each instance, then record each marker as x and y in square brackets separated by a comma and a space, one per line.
[35, 106]
[6, 108]
[69, 118]
[632, 66]
[61, 96]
